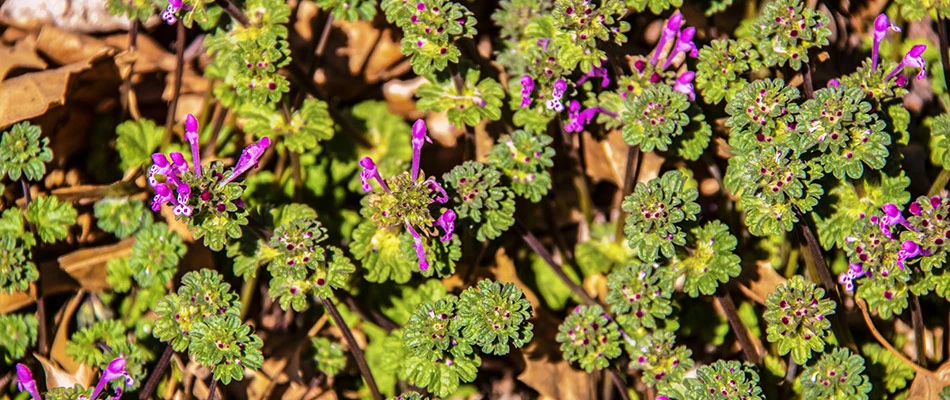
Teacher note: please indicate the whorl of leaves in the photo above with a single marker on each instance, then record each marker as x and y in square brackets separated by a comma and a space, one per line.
[655, 211]
[795, 314]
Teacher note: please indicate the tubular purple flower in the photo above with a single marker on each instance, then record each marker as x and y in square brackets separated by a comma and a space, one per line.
[684, 44]
[834, 83]
[249, 157]
[527, 86]
[909, 249]
[169, 14]
[914, 58]
[370, 172]
[881, 25]
[162, 195]
[596, 72]
[419, 138]
[179, 165]
[160, 166]
[892, 216]
[670, 31]
[25, 382]
[684, 84]
[560, 86]
[442, 196]
[191, 135]
[447, 222]
[544, 42]
[115, 369]
[420, 249]
[577, 120]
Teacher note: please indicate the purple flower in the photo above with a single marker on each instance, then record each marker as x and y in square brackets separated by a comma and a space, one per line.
[892, 216]
[169, 14]
[115, 370]
[596, 72]
[684, 84]
[25, 382]
[847, 278]
[684, 44]
[909, 249]
[544, 42]
[447, 222]
[527, 86]
[834, 83]
[577, 119]
[249, 157]
[419, 137]
[881, 25]
[914, 59]
[560, 86]
[191, 135]
[670, 31]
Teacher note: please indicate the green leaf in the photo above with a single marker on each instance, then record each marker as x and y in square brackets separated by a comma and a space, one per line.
[22, 151]
[136, 140]
[795, 314]
[494, 314]
[17, 334]
[51, 218]
[379, 252]
[588, 338]
[121, 216]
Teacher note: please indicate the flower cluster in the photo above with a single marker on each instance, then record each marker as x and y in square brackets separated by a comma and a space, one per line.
[650, 71]
[662, 363]
[796, 313]
[115, 370]
[786, 30]
[589, 338]
[206, 198]
[885, 80]
[657, 210]
[430, 28]
[639, 295]
[406, 198]
[836, 375]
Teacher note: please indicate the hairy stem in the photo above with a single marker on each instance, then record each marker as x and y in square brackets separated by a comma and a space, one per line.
[156, 374]
[211, 388]
[807, 86]
[631, 171]
[818, 268]
[940, 182]
[917, 318]
[368, 314]
[176, 88]
[742, 334]
[322, 43]
[944, 60]
[220, 114]
[353, 346]
[539, 249]
[234, 12]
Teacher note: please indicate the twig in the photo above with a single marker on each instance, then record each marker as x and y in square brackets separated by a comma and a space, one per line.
[324, 35]
[211, 388]
[618, 382]
[631, 171]
[880, 339]
[353, 346]
[539, 249]
[807, 85]
[749, 350]
[917, 319]
[176, 89]
[942, 39]
[220, 114]
[156, 374]
[941, 180]
[232, 10]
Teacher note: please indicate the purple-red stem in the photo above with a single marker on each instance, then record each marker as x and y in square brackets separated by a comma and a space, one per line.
[156, 373]
[353, 346]
[742, 334]
[176, 89]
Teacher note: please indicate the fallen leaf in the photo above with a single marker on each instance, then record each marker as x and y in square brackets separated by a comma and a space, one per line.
[440, 129]
[68, 47]
[554, 378]
[505, 271]
[605, 160]
[88, 194]
[31, 95]
[762, 283]
[399, 96]
[88, 266]
[368, 49]
[58, 351]
[21, 55]
[10, 302]
[927, 386]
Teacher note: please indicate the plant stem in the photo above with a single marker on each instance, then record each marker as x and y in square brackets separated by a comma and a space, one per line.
[917, 318]
[232, 10]
[816, 264]
[618, 382]
[127, 81]
[742, 334]
[220, 114]
[297, 175]
[353, 346]
[211, 388]
[156, 373]
[880, 339]
[631, 171]
[40, 302]
[322, 43]
[791, 371]
[807, 85]
[940, 182]
[247, 294]
[944, 60]
[539, 249]
[176, 88]
[369, 315]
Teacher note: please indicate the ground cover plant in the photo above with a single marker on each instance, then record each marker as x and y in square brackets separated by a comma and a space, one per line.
[411, 199]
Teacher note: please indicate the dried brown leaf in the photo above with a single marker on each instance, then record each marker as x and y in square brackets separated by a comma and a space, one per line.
[21, 55]
[71, 15]
[58, 350]
[68, 47]
[88, 266]
[927, 386]
[31, 95]
[605, 160]
[57, 377]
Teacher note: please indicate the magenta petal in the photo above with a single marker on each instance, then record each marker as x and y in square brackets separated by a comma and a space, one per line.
[249, 157]
[114, 370]
[26, 383]
[447, 222]
[441, 197]
[420, 249]
[160, 160]
[914, 208]
[419, 137]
